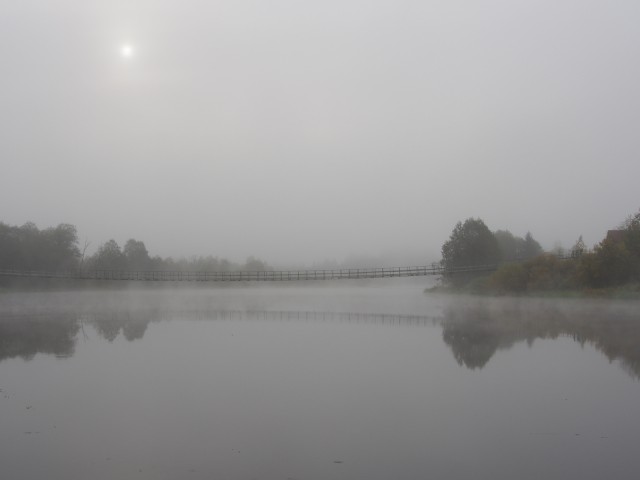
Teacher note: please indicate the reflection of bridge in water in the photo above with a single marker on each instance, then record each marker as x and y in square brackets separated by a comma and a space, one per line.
[305, 316]
[474, 332]
[251, 276]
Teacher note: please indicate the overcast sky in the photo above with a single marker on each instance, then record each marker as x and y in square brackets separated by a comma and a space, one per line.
[299, 131]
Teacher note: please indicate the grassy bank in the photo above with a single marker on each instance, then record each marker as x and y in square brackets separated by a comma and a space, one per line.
[482, 286]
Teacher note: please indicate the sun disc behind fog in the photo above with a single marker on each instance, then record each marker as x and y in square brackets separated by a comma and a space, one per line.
[126, 51]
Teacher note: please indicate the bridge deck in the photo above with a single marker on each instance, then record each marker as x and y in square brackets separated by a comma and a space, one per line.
[255, 276]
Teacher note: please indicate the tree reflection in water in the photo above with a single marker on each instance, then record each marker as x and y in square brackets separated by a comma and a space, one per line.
[25, 337]
[133, 327]
[474, 330]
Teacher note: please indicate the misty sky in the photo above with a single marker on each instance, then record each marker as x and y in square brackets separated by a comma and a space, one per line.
[299, 131]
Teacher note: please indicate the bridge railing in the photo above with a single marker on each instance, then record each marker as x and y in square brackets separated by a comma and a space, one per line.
[251, 276]
[208, 276]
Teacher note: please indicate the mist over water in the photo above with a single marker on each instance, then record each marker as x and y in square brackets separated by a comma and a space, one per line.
[330, 381]
[163, 140]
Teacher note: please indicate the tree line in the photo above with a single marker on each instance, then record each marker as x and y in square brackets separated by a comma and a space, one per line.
[472, 244]
[613, 262]
[472, 343]
[27, 247]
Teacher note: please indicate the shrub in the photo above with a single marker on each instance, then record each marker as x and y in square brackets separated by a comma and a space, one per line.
[511, 278]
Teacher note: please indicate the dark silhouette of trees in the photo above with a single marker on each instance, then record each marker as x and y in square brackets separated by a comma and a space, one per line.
[610, 264]
[108, 257]
[511, 247]
[531, 248]
[253, 264]
[516, 248]
[56, 249]
[632, 237]
[470, 243]
[615, 261]
[29, 248]
[579, 248]
[136, 255]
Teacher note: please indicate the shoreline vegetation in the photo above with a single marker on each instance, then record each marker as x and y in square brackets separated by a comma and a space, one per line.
[610, 270]
[27, 247]
[629, 291]
[53, 249]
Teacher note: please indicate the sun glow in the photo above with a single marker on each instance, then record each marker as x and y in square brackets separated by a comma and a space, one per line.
[126, 50]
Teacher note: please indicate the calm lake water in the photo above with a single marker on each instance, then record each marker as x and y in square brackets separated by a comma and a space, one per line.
[338, 381]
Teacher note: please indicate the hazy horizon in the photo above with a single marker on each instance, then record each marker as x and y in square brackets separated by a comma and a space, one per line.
[300, 132]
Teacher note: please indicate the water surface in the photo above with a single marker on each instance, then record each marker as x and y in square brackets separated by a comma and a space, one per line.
[314, 383]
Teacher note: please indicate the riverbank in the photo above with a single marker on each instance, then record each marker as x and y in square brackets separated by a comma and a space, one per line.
[480, 287]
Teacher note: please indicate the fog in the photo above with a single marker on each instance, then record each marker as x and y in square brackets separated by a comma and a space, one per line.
[305, 131]
[338, 380]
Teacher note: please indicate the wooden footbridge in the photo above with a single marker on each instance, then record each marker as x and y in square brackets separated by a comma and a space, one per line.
[249, 276]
